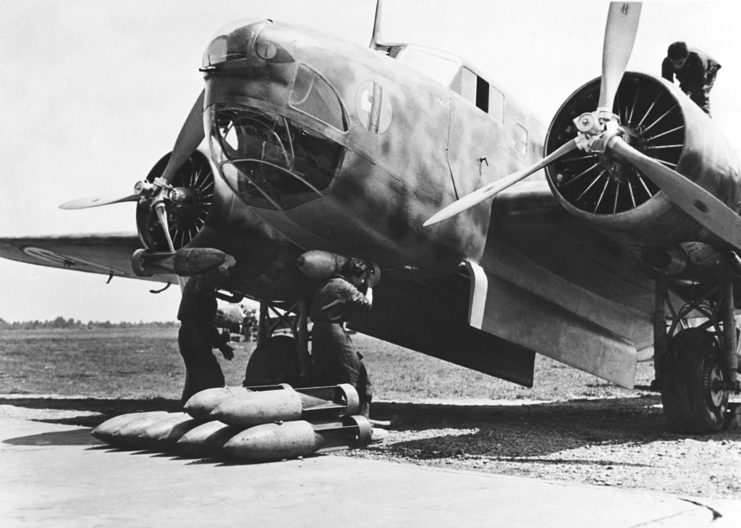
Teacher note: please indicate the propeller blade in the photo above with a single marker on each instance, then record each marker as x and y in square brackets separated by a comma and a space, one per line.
[162, 215]
[97, 201]
[698, 203]
[190, 136]
[493, 188]
[620, 34]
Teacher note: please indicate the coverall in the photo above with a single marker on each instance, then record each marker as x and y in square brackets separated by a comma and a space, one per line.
[198, 335]
[696, 78]
[335, 358]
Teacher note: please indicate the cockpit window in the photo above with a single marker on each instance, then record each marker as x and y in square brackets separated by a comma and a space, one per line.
[232, 44]
[313, 95]
[268, 161]
[435, 66]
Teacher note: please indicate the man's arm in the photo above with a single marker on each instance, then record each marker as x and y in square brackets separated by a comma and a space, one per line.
[221, 341]
[667, 72]
[356, 299]
[712, 71]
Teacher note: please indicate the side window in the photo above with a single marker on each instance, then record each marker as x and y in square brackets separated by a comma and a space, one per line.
[520, 139]
[482, 94]
[496, 105]
[312, 95]
[465, 83]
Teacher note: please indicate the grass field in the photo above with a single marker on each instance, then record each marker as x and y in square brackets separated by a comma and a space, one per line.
[145, 363]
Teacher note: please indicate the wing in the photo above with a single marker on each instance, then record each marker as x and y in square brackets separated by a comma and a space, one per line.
[106, 254]
[546, 283]
[554, 286]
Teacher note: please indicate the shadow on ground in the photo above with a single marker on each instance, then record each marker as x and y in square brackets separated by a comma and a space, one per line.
[103, 408]
[73, 437]
[525, 431]
[455, 430]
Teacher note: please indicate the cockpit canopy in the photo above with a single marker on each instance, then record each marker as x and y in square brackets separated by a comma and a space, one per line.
[269, 162]
[268, 116]
[451, 72]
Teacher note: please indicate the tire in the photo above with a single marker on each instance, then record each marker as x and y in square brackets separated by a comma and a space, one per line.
[273, 362]
[694, 366]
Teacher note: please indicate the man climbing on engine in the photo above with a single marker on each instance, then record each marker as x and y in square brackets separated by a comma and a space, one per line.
[694, 69]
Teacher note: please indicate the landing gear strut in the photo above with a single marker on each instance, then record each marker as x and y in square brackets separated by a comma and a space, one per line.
[282, 352]
[696, 366]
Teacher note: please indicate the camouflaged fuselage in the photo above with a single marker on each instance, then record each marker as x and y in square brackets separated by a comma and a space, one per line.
[401, 147]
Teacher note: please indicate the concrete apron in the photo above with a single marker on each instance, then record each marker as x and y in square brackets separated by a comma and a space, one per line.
[57, 475]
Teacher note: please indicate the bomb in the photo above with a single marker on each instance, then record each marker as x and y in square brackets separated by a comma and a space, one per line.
[276, 441]
[202, 403]
[254, 408]
[127, 435]
[206, 440]
[316, 403]
[164, 434]
[108, 430]
[321, 265]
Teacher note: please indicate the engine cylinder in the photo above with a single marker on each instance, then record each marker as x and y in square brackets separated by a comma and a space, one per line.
[663, 123]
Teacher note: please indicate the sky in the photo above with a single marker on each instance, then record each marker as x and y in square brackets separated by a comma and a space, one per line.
[94, 92]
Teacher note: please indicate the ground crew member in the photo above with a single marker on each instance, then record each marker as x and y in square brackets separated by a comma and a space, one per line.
[694, 69]
[335, 358]
[198, 335]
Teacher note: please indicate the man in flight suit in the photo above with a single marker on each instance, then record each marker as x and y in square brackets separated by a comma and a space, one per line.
[695, 71]
[335, 358]
[198, 335]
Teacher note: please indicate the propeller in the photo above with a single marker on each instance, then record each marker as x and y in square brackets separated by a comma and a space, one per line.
[161, 210]
[190, 136]
[600, 132]
[698, 203]
[620, 33]
[97, 201]
[160, 191]
[479, 195]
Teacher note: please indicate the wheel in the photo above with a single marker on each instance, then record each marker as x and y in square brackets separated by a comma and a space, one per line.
[272, 362]
[691, 392]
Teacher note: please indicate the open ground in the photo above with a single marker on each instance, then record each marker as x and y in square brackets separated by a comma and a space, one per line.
[570, 427]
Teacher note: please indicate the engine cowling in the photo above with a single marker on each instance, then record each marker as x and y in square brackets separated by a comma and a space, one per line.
[661, 122]
[188, 207]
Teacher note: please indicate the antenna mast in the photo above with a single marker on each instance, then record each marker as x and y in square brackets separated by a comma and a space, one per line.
[375, 38]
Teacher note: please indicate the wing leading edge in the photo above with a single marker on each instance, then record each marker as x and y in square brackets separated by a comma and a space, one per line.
[104, 254]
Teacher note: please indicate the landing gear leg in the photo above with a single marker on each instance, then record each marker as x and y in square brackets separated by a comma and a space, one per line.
[697, 369]
[282, 352]
[661, 340]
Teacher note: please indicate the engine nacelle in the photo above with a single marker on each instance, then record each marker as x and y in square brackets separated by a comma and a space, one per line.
[663, 123]
[187, 210]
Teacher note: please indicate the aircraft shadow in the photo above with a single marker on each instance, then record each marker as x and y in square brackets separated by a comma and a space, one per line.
[432, 431]
[520, 433]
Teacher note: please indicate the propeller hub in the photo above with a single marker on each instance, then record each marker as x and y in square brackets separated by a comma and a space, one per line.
[587, 123]
[595, 130]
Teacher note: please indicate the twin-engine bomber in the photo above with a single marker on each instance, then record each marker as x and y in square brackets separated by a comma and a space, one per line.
[304, 150]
